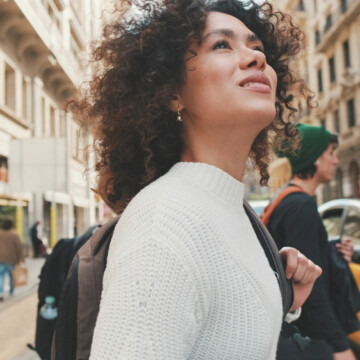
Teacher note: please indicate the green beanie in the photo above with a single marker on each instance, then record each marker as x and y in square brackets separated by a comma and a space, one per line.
[314, 140]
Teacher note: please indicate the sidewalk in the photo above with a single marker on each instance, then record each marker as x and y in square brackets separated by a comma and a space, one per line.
[19, 322]
[34, 267]
[18, 312]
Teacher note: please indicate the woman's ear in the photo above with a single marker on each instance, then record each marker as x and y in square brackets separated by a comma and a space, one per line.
[176, 104]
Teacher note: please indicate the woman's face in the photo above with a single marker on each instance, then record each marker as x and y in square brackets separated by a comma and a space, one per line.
[228, 82]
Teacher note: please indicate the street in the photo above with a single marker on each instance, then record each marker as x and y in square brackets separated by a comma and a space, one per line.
[18, 329]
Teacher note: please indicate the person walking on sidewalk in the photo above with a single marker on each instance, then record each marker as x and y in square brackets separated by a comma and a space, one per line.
[10, 254]
[38, 246]
[296, 222]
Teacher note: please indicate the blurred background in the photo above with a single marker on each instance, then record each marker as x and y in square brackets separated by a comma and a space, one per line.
[44, 57]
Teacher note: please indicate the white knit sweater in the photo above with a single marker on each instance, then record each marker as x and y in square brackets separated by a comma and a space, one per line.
[186, 276]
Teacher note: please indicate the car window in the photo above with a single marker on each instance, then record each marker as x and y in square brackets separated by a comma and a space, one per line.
[332, 221]
[352, 225]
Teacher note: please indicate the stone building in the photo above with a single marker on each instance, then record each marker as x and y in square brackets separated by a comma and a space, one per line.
[331, 67]
[43, 54]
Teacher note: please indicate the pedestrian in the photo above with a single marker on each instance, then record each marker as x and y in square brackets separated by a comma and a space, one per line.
[38, 246]
[186, 91]
[296, 222]
[11, 254]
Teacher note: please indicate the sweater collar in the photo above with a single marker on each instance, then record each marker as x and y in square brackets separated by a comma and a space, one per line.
[212, 179]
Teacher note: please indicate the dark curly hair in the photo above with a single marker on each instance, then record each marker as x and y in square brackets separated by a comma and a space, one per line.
[143, 65]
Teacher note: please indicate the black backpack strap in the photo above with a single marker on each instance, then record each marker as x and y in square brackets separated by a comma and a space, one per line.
[272, 253]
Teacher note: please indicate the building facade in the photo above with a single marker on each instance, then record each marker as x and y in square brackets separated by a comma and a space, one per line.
[331, 67]
[43, 59]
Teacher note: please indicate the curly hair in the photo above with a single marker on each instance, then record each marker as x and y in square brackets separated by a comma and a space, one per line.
[143, 65]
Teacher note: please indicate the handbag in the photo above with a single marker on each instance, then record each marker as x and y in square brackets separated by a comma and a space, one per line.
[20, 275]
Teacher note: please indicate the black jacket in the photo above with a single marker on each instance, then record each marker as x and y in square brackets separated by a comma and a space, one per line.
[297, 223]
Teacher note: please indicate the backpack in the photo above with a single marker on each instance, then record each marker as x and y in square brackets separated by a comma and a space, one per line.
[52, 278]
[80, 299]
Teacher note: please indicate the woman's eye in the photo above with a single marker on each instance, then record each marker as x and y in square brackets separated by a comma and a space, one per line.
[221, 44]
[259, 48]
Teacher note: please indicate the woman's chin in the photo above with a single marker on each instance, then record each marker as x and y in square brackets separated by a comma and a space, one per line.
[262, 116]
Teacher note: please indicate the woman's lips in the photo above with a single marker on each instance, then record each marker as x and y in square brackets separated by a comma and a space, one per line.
[257, 87]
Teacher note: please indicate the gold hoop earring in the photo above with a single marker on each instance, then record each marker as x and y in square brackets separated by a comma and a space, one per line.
[179, 118]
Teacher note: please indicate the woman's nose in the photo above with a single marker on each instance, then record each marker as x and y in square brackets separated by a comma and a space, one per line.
[252, 58]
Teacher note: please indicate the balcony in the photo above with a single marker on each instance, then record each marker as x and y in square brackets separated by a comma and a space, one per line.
[336, 22]
[36, 38]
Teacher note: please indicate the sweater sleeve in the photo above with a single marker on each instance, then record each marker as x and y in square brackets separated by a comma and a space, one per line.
[301, 231]
[149, 307]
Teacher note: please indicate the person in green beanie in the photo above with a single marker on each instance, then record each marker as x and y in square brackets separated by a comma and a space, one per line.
[296, 222]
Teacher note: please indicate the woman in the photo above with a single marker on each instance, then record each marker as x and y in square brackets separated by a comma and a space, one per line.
[185, 92]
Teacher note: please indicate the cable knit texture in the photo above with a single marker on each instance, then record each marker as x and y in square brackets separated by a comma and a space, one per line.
[186, 276]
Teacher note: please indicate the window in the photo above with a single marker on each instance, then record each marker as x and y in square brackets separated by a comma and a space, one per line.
[75, 43]
[10, 87]
[332, 219]
[317, 37]
[339, 183]
[346, 49]
[320, 82]
[24, 99]
[332, 70]
[43, 116]
[343, 4]
[354, 175]
[58, 5]
[52, 122]
[300, 6]
[351, 113]
[75, 142]
[62, 120]
[77, 7]
[328, 22]
[336, 121]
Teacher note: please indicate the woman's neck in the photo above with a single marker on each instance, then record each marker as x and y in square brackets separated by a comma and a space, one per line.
[228, 152]
[308, 185]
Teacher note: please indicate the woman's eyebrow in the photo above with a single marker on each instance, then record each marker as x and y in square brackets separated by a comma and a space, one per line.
[226, 32]
[251, 37]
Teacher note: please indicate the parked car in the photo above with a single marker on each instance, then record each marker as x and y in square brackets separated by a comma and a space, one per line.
[259, 205]
[341, 217]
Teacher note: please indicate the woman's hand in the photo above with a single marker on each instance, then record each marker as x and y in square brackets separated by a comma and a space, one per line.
[302, 272]
[344, 355]
[346, 248]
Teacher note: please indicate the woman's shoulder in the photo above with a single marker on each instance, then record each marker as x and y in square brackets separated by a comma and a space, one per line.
[162, 212]
[167, 193]
[299, 198]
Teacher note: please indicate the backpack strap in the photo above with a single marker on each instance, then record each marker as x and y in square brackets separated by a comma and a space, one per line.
[268, 211]
[272, 253]
[92, 260]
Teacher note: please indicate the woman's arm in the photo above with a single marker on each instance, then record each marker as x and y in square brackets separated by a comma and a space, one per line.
[149, 307]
